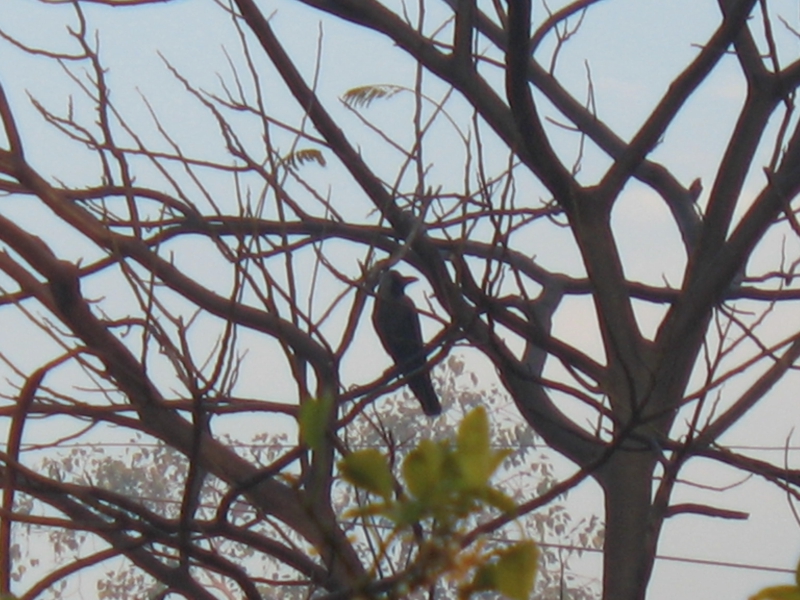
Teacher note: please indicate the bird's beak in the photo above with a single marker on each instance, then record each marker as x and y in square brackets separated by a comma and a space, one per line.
[409, 279]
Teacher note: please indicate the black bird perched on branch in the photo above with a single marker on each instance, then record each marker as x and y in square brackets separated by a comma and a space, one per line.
[396, 321]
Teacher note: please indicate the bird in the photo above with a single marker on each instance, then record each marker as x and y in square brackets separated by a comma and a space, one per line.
[396, 322]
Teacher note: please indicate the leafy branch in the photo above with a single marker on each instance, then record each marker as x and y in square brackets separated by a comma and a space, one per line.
[445, 484]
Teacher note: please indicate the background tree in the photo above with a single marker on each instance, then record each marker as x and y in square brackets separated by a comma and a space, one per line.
[178, 263]
[156, 474]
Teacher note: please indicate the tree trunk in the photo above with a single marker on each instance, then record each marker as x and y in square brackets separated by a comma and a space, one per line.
[629, 550]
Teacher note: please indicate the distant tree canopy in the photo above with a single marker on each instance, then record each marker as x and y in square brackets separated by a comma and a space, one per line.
[192, 234]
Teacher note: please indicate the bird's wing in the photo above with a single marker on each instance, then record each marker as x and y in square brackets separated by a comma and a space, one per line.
[397, 323]
[399, 329]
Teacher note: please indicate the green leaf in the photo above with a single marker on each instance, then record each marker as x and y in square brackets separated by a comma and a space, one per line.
[474, 454]
[515, 571]
[485, 580]
[422, 469]
[313, 420]
[406, 512]
[780, 592]
[499, 500]
[369, 470]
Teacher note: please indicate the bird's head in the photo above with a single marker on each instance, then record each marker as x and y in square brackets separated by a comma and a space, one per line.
[396, 282]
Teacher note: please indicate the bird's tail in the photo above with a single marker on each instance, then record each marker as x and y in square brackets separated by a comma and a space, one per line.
[423, 389]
